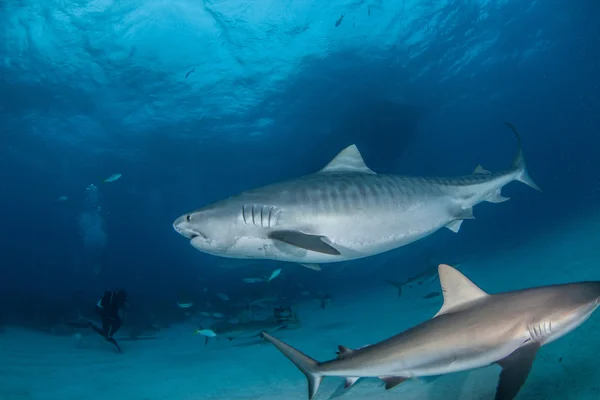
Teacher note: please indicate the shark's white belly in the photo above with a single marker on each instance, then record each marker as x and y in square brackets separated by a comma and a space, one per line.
[434, 361]
[445, 363]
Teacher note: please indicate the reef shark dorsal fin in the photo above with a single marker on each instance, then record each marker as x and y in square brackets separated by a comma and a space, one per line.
[348, 160]
[457, 289]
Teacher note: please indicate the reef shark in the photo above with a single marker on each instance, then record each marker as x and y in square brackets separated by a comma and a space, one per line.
[472, 329]
[343, 212]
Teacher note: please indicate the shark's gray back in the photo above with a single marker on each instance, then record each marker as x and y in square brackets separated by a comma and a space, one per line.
[346, 193]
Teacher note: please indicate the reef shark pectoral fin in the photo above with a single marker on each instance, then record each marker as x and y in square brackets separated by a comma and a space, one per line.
[515, 370]
[305, 241]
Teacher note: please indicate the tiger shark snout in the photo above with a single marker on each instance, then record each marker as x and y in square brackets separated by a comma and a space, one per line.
[184, 228]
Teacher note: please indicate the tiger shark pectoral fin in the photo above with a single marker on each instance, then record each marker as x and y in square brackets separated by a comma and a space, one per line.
[305, 241]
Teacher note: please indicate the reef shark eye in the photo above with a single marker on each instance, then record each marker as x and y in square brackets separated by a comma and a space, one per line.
[188, 218]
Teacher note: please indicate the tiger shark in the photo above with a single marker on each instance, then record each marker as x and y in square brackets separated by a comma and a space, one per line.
[473, 329]
[343, 212]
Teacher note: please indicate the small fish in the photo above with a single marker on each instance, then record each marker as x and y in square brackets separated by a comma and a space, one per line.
[189, 72]
[185, 305]
[205, 314]
[223, 296]
[369, 11]
[431, 295]
[112, 178]
[63, 198]
[339, 21]
[275, 274]
[253, 280]
[218, 315]
[205, 332]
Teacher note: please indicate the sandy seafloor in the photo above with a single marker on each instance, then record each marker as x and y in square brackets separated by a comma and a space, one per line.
[179, 367]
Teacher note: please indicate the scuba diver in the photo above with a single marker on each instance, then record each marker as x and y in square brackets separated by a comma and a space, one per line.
[110, 308]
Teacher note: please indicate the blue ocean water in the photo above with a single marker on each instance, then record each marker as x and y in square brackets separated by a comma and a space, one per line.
[194, 101]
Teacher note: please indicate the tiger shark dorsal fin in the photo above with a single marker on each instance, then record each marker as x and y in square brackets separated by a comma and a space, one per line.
[457, 289]
[348, 160]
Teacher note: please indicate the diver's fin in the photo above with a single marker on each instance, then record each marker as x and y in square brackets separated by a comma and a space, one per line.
[515, 370]
[348, 160]
[314, 267]
[305, 241]
[308, 366]
[392, 381]
[519, 162]
[457, 289]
